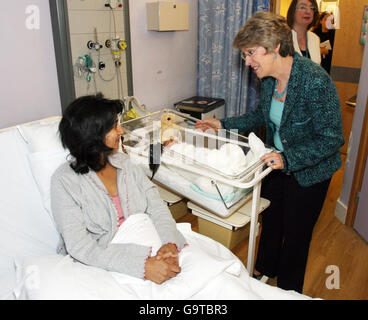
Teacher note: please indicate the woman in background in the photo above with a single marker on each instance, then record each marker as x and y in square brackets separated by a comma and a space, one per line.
[326, 33]
[99, 188]
[300, 109]
[302, 16]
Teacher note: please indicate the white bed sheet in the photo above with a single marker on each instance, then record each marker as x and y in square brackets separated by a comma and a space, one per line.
[209, 271]
[25, 226]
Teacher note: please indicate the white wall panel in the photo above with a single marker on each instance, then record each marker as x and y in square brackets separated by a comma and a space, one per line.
[84, 17]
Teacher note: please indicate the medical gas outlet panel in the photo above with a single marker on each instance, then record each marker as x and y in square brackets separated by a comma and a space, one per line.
[113, 4]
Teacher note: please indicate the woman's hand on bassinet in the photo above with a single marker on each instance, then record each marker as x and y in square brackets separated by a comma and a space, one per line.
[208, 124]
[273, 160]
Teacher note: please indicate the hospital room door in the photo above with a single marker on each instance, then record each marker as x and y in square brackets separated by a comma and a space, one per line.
[361, 217]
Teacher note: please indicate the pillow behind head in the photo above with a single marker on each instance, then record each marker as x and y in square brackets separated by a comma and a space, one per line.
[43, 165]
[41, 135]
[46, 153]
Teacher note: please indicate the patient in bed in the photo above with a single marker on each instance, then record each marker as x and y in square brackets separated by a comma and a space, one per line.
[98, 189]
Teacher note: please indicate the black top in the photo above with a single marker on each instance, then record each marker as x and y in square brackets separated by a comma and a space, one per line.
[305, 53]
[324, 36]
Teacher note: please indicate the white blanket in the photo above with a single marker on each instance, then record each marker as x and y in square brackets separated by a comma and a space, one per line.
[209, 271]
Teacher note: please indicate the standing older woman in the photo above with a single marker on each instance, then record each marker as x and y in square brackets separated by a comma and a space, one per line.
[98, 189]
[301, 16]
[300, 108]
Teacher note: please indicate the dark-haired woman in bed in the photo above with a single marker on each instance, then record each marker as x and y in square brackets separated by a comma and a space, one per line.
[98, 188]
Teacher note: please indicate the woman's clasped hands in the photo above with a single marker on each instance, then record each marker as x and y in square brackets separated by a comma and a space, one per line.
[164, 265]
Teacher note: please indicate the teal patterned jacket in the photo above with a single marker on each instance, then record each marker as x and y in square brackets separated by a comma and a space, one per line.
[311, 126]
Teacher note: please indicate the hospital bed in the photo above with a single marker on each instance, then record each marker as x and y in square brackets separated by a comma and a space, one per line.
[31, 269]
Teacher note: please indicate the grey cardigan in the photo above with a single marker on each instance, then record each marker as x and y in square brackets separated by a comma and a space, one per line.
[86, 216]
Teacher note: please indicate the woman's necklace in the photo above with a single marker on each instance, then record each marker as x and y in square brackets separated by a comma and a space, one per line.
[279, 96]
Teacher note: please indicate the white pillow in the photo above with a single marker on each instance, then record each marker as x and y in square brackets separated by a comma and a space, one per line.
[41, 135]
[43, 165]
[25, 226]
[45, 155]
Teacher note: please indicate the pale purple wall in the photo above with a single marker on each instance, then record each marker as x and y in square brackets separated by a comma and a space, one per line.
[29, 87]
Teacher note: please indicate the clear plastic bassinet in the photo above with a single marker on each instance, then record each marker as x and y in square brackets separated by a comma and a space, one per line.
[144, 132]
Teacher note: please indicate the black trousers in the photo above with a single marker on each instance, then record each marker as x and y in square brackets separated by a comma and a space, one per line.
[287, 226]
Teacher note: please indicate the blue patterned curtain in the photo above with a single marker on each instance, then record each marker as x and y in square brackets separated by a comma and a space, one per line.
[221, 72]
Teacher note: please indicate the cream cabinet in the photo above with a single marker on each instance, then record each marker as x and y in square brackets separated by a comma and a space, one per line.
[167, 16]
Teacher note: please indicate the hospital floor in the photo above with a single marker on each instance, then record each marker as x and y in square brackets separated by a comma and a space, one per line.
[333, 244]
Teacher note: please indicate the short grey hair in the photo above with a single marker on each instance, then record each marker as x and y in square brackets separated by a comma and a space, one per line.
[268, 30]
